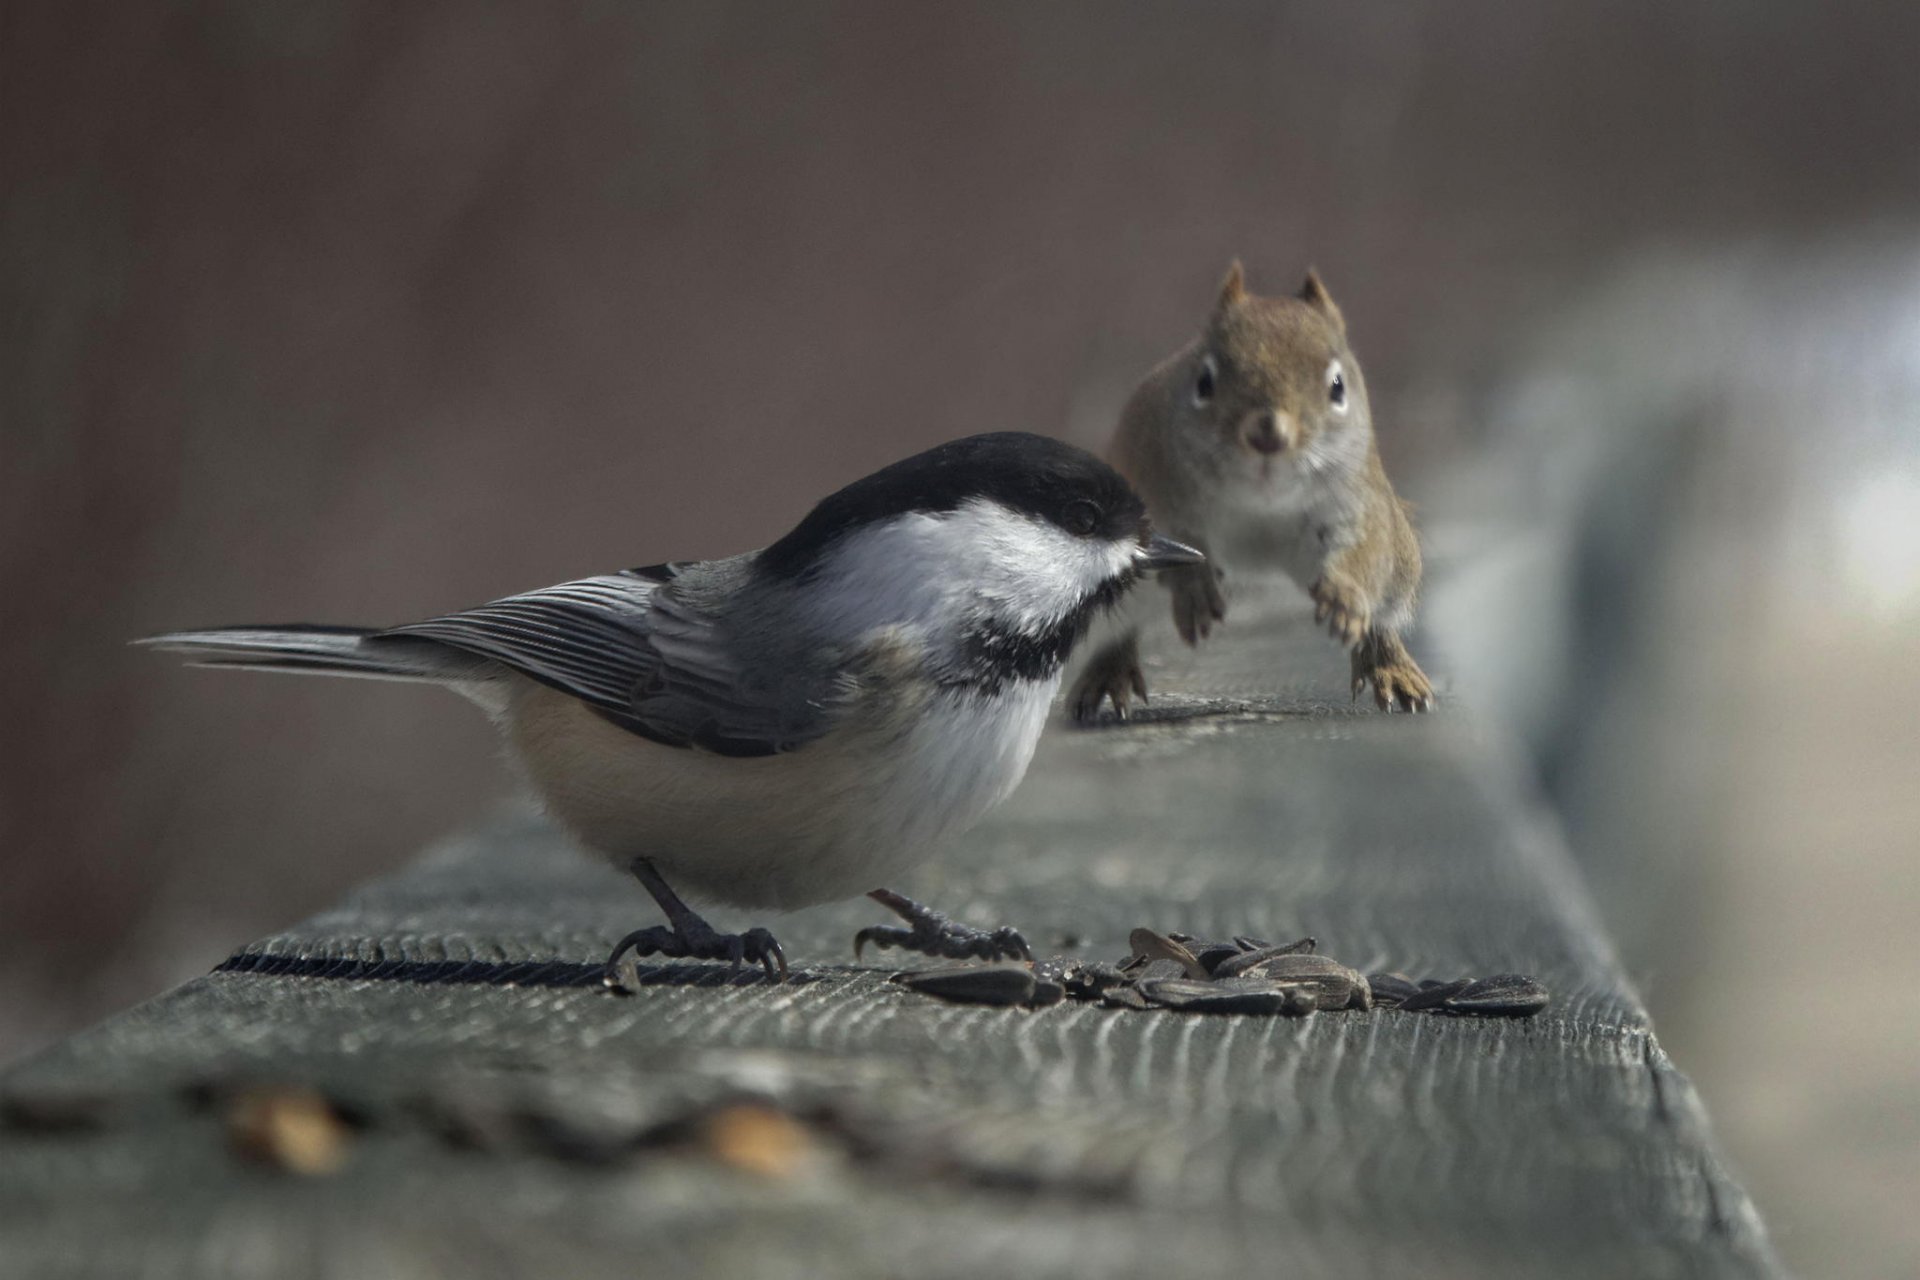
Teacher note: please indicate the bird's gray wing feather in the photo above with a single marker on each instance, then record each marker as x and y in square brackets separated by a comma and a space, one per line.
[647, 649]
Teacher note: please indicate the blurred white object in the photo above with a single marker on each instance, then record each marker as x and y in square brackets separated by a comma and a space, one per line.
[1880, 544]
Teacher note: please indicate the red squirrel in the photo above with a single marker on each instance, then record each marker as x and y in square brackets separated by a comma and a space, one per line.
[1254, 442]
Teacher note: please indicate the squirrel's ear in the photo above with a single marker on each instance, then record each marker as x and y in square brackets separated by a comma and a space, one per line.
[1233, 288]
[1315, 295]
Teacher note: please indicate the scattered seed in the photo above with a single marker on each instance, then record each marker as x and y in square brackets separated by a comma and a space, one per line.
[289, 1127]
[1307, 943]
[1002, 985]
[1247, 960]
[1392, 989]
[1504, 995]
[757, 1139]
[1157, 970]
[1089, 979]
[1212, 955]
[1245, 975]
[1433, 994]
[1049, 983]
[1334, 985]
[1233, 995]
[1159, 946]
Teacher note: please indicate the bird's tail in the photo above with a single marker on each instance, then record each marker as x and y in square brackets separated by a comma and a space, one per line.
[327, 651]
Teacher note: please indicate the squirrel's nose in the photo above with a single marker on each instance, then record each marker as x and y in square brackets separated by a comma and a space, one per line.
[1266, 433]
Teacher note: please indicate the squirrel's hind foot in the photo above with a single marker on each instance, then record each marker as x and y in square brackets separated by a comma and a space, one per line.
[1380, 659]
[1113, 674]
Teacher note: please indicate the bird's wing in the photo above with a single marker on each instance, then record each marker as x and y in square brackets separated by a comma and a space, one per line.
[651, 657]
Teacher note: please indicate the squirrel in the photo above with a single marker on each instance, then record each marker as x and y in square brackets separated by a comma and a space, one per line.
[1254, 442]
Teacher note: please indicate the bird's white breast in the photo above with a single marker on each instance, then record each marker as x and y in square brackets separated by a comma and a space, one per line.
[831, 820]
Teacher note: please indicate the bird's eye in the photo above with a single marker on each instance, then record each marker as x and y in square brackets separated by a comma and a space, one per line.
[1203, 385]
[1337, 387]
[1081, 517]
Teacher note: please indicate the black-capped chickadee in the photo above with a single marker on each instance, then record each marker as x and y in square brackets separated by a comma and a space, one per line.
[797, 724]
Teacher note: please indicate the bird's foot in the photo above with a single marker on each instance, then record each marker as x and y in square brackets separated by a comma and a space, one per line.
[698, 941]
[687, 936]
[931, 933]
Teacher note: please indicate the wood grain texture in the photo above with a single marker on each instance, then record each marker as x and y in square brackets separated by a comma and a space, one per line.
[513, 1119]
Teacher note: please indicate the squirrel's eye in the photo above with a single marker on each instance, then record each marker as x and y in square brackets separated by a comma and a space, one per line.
[1203, 385]
[1082, 517]
[1337, 387]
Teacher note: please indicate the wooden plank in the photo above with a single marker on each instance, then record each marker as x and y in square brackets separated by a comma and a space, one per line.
[911, 1137]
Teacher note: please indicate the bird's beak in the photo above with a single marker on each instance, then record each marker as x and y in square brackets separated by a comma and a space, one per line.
[1162, 552]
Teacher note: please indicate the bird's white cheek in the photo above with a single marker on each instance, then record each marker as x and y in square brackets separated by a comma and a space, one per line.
[936, 572]
[1057, 573]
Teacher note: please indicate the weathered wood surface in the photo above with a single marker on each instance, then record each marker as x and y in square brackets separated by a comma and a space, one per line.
[460, 996]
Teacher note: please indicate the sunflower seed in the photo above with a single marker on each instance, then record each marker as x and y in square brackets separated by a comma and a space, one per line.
[1392, 989]
[1158, 946]
[1212, 955]
[1333, 984]
[1049, 982]
[1433, 994]
[1002, 985]
[1234, 995]
[1247, 960]
[1087, 979]
[1504, 995]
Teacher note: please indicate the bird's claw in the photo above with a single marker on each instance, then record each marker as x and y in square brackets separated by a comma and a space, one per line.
[755, 946]
[932, 933]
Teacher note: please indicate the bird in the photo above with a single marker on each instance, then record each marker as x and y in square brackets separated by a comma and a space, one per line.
[793, 725]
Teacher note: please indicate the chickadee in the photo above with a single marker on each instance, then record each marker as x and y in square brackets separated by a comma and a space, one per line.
[792, 725]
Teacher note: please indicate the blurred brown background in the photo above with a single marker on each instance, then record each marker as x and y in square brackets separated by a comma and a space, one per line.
[357, 312]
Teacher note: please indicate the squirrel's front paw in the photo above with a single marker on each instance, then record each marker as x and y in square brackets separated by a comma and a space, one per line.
[1198, 601]
[1112, 674]
[1338, 603]
[1397, 680]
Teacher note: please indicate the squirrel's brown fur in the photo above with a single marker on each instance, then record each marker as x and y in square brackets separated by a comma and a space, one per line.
[1243, 444]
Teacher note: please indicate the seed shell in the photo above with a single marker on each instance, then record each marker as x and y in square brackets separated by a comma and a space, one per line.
[1001, 985]
[1504, 995]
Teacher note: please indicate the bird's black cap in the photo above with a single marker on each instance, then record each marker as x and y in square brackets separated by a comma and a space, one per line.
[1028, 473]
